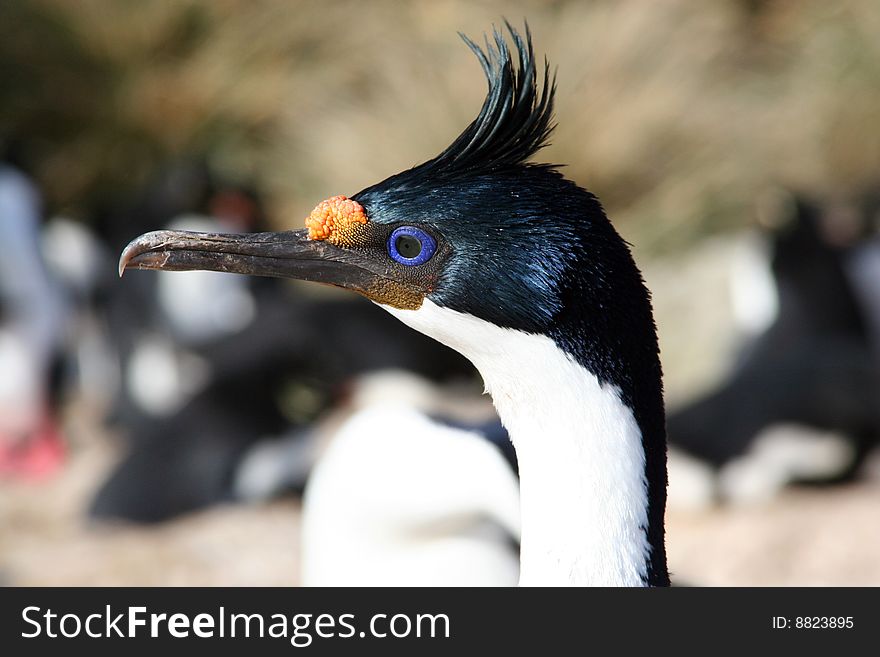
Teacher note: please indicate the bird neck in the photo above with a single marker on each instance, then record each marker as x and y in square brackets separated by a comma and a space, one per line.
[583, 480]
[583, 488]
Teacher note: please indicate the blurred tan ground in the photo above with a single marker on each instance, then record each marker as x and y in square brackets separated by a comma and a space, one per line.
[814, 538]
[46, 540]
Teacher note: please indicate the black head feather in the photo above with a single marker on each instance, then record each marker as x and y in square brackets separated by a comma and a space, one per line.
[514, 123]
[515, 120]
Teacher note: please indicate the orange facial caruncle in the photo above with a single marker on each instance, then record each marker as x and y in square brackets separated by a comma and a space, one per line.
[336, 220]
[342, 222]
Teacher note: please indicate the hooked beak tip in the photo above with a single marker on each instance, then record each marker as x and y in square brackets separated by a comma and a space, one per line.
[146, 243]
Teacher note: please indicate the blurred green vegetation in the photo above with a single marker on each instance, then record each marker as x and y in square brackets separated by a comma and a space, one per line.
[677, 114]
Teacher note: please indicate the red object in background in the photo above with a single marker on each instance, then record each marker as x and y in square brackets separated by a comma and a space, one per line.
[35, 457]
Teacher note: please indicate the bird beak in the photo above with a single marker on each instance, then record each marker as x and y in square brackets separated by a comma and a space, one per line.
[289, 254]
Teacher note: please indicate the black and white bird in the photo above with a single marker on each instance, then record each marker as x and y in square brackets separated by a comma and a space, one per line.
[802, 405]
[520, 270]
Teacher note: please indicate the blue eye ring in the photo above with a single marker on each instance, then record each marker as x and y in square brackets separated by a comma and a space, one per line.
[401, 245]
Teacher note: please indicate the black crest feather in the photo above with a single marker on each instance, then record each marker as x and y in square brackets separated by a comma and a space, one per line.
[515, 121]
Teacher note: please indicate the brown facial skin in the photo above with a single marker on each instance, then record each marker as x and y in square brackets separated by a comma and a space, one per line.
[289, 254]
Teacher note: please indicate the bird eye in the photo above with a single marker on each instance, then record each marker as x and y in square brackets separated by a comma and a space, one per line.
[411, 246]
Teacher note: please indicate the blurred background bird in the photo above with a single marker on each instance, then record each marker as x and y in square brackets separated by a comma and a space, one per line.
[701, 128]
[801, 402]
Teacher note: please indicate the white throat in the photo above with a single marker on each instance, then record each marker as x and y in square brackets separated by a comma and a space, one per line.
[583, 489]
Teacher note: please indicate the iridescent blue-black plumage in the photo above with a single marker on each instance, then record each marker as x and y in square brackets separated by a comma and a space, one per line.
[485, 201]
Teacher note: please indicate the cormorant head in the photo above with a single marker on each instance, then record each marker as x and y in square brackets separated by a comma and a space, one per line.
[478, 229]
